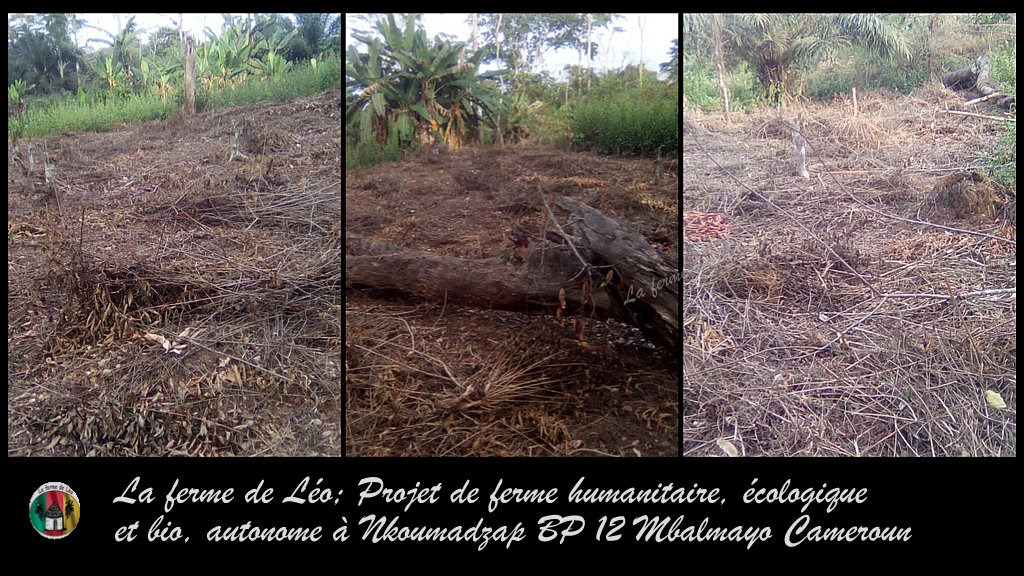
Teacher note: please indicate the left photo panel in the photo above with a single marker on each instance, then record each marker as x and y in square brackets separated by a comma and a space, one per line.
[174, 235]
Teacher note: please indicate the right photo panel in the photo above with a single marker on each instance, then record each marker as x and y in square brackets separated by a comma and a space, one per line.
[849, 235]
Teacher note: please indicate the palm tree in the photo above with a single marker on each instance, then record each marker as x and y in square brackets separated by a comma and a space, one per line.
[69, 511]
[59, 28]
[778, 47]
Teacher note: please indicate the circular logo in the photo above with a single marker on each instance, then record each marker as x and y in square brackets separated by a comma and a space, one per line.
[54, 510]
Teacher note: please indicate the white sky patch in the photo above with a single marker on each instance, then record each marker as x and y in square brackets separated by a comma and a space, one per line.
[147, 23]
[617, 49]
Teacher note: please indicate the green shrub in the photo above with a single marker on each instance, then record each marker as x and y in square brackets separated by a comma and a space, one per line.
[1002, 162]
[700, 86]
[1004, 68]
[371, 153]
[639, 121]
[72, 116]
[859, 68]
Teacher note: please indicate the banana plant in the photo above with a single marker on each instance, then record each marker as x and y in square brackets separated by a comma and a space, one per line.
[275, 64]
[158, 77]
[106, 69]
[229, 54]
[266, 56]
[16, 110]
[16, 97]
[123, 53]
[144, 69]
[405, 85]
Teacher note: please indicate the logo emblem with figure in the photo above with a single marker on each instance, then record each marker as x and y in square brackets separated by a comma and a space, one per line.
[54, 510]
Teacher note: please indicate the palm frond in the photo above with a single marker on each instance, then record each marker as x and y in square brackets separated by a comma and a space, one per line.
[873, 31]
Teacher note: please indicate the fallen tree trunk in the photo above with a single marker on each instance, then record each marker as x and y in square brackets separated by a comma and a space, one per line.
[978, 77]
[642, 288]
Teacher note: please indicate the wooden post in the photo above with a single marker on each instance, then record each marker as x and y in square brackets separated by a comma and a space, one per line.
[723, 89]
[190, 77]
[801, 146]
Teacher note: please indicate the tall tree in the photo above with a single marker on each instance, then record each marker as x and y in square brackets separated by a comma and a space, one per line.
[319, 32]
[723, 88]
[523, 38]
[575, 31]
[40, 50]
[671, 68]
[641, 22]
[519, 40]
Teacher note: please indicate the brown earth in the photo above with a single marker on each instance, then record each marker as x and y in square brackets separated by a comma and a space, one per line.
[867, 311]
[164, 299]
[429, 378]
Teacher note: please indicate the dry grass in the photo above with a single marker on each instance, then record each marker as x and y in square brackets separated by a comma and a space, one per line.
[180, 304]
[822, 323]
[437, 379]
[425, 381]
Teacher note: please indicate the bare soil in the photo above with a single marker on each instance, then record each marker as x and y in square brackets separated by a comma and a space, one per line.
[166, 300]
[818, 317]
[428, 378]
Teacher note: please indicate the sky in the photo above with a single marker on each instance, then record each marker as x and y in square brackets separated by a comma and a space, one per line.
[145, 23]
[622, 47]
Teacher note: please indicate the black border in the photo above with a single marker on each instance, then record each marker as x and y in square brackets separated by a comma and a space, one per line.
[956, 509]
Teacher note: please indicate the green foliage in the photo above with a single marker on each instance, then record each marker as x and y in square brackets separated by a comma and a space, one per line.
[97, 117]
[16, 92]
[986, 18]
[116, 83]
[99, 109]
[371, 153]
[118, 64]
[865, 70]
[839, 66]
[1004, 68]
[40, 50]
[301, 80]
[548, 119]
[227, 55]
[328, 72]
[403, 73]
[828, 81]
[1002, 162]
[639, 121]
[671, 68]
[780, 48]
[700, 86]
[900, 76]
[317, 33]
